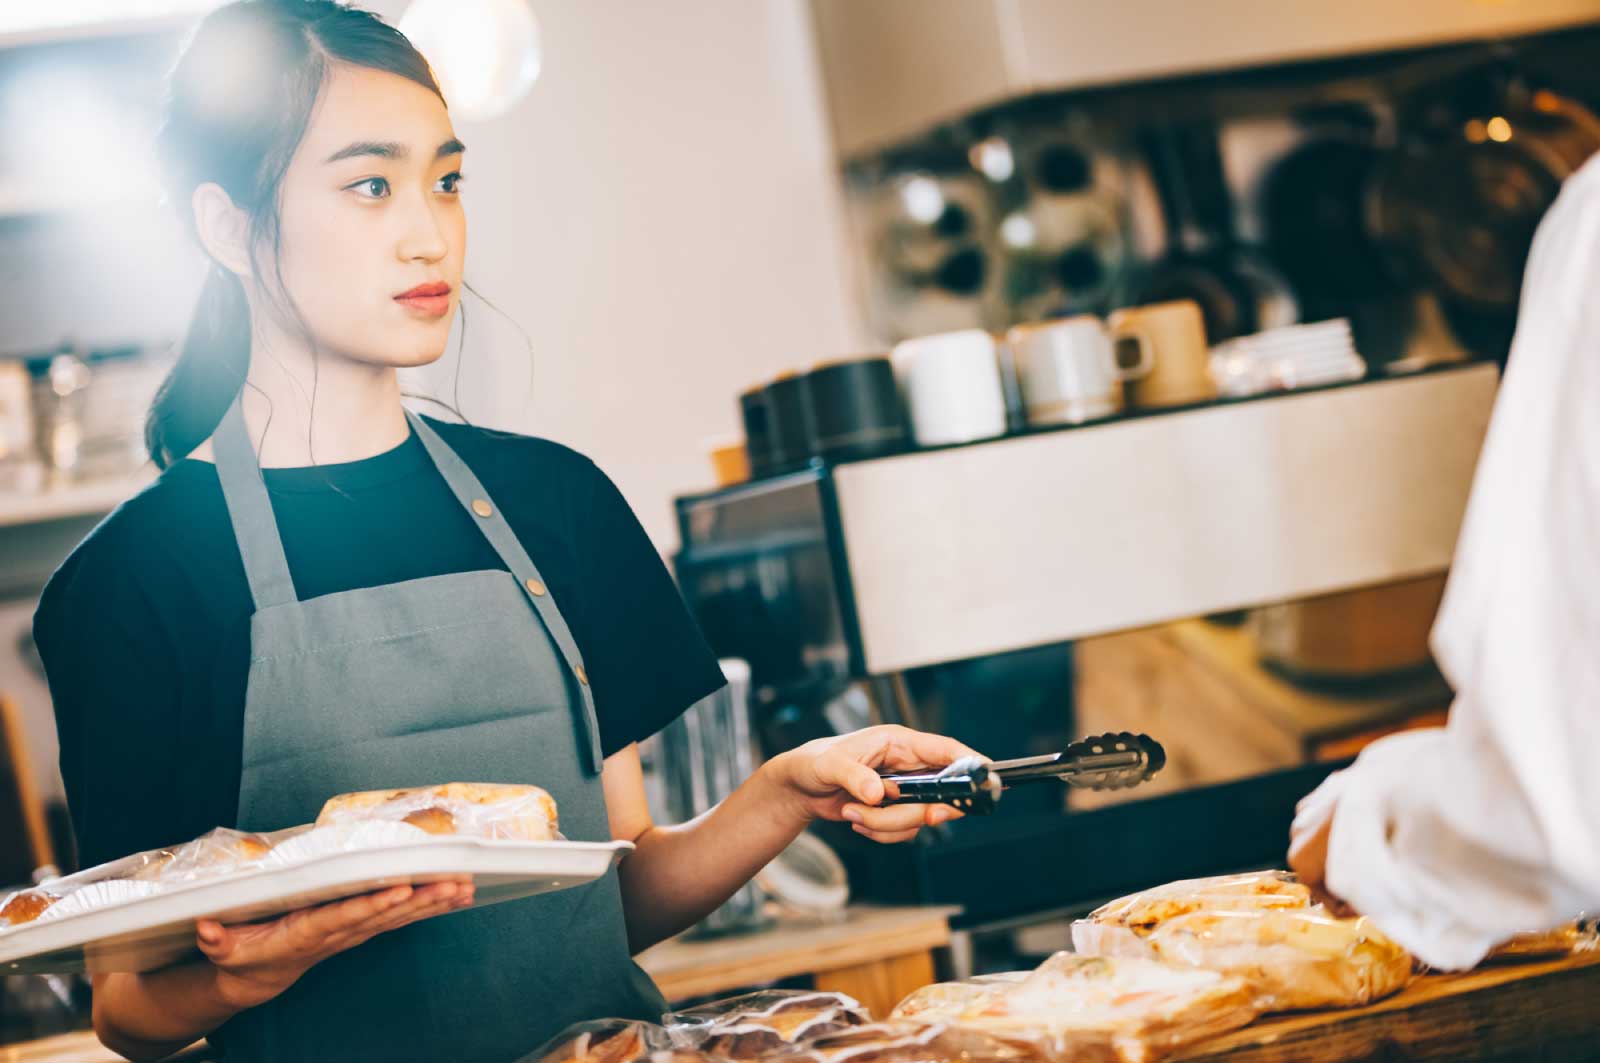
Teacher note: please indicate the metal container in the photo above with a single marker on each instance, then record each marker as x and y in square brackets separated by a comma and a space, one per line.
[705, 755]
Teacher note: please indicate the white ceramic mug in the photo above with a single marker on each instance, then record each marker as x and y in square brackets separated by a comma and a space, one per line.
[1067, 370]
[951, 385]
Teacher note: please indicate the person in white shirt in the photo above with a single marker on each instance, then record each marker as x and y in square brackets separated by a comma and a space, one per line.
[1454, 839]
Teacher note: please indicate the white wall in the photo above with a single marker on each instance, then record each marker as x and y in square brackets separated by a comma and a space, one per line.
[661, 215]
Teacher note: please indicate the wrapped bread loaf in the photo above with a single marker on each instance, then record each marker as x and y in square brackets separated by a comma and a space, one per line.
[1263, 928]
[1293, 959]
[475, 810]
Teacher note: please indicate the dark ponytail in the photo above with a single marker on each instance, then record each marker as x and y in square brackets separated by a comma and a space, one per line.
[238, 102]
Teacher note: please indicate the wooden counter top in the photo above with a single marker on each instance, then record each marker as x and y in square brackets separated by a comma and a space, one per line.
[1545, 1011]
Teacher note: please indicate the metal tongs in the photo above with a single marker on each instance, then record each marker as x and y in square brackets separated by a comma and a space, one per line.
[1104, 762]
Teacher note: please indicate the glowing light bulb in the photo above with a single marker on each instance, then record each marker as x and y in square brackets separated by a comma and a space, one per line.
[485, 53]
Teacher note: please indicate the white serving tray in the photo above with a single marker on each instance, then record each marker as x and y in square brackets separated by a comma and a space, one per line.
[158, 930]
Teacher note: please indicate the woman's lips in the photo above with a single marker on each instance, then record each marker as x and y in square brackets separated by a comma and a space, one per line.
[426, 304]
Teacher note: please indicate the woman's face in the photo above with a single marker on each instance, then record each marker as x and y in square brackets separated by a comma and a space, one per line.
[370, 210]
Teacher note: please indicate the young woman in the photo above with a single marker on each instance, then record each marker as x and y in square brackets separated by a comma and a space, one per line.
[323, 593]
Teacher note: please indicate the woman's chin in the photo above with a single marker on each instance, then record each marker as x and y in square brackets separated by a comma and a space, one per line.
[407, 351]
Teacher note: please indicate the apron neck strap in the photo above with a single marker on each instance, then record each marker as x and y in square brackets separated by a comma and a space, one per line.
[470, 492]
[254, 526]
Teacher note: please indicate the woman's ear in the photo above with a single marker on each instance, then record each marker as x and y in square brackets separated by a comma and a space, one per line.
[223, 228]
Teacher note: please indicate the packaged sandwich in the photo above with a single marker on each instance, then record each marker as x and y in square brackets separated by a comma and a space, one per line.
[1078, 1009]
[464, 809]
[760, 1024]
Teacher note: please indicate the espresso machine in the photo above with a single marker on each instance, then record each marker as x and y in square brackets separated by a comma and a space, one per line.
[945, 589]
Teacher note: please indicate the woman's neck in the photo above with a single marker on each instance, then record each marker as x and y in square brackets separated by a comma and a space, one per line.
[353, 412]
[303, 411]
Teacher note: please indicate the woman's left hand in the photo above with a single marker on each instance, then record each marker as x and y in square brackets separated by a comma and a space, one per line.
[837, 779]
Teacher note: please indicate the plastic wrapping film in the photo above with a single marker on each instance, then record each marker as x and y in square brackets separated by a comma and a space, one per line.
[766, 1023]
[1262, 928]
[606, 1041]
[1292, 959]
[461, 809]
[1118, 927]
[216, 854]
[1085, 1009]
[348, 823]
[908, 1042]
[1576, 936]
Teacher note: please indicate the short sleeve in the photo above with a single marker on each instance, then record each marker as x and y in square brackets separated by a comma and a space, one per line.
[645, 655]
[113, 684]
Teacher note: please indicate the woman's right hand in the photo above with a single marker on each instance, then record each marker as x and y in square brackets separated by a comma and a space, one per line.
[254, 962]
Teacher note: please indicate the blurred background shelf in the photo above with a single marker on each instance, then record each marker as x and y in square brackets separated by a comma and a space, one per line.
[95, 498]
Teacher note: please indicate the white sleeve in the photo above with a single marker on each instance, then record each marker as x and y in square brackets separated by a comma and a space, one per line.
[1454, 839]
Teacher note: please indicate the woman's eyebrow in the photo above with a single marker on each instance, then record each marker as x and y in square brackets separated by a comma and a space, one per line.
[391, 149]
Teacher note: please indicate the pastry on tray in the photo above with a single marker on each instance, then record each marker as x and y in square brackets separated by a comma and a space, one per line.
[25, 906]
[215, 854]
[475, 810]
[369, 820]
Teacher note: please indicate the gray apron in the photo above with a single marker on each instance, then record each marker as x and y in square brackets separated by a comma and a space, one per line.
[467, 677]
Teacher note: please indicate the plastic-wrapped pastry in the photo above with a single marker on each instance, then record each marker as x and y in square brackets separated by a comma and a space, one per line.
[758, 1024]
[1541, 944]
[1293, 958]
[475, 810]
[212, 855]
[944, 1000]
[909, 1042]
[1100, 1009]
[603, 1041]
[25, 906]
[1120, 927]
[1262, 927]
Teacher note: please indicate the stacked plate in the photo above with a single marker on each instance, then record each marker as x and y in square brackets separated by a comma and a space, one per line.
[1295, 356]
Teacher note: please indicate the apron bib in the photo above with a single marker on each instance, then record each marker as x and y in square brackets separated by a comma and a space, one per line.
[469, 677]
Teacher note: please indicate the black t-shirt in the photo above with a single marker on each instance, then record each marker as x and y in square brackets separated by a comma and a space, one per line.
[145, 629]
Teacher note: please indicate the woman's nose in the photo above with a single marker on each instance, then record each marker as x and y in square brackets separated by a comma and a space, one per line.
[425, 237]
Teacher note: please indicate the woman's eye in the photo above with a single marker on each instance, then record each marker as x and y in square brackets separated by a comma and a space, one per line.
[451, 183]
[371, 188]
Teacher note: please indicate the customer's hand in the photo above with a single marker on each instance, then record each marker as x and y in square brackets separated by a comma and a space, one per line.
[257, 961]
[1308, 847]
[1308, 852]
[837, 779]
